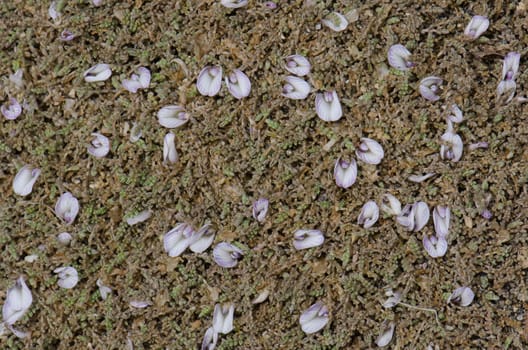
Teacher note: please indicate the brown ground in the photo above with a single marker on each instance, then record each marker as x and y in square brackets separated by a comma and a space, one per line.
[232, 152]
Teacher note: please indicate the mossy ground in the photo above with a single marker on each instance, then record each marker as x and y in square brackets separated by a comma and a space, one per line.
[233, 152]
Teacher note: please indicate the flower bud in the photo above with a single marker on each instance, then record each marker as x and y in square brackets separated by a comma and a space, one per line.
[370, 151]
[170, 155]
[67, 207]
[99, 72]
[11, 110]
[476, 27]
[25, 179]
[314, 318]
[399, 57]
[345, 173]
[328, 107]
[172, 116]
[298, 65]
[369, 214]
[238, 84]
[430, 88]
[210, 80]
[100, 146]
[304, 239]
[227, 255]
[295, 88]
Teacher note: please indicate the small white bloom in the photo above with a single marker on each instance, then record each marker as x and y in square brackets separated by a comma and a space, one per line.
[510, 66]
[234, 4]
[97, 2]
[140, 217]
[328, 107]
[67, 207]
[238, 84]
[370, 151]
[298, 65]
[476, 27]
[506, 91]
[178, 239]
[386, 333]
[135, 133]
[369, 214]
[31, 258]
[209, 80]
[17, 303]
[335, 21]
[172, 116]
[414, 217]
[345, 173]
[435, 246]
[481, 144]
[141, 80]
[202, 239]
[25, 179]
[99, 72]
[52, 11]
[170, 155]
[462, 296]
[390, 204]
[140, 304]
[100, 145]
[68, 277]
[430, 88]
[399, 57]
[103, 290]
[12, 109]
[66, 35]
[393, 300]
[260, 209]
[457, 116]
[314, 318]
[441, 217]
[420, 178]
[223, 318]
[295, 88]
[64, 238]
[209, 340]
[17, 78]
[305, 239]
[226, 254]
[452, 146]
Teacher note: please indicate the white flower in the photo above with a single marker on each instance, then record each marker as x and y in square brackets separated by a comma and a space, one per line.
[234, 4]
[386, 333]
[141, 80]
[506, 88]
[298, 65]
[52, 11]
[238, 84]
[462, 296]
[420, 178]
[304, 239]
[430, 88]
[510, 66]
[476, 27]
[260, 209]
[17, 78]
[223, 318]
[139, 217]
[390, 204]
[11, 110]
[67, 207]
[172, 116]
[399, 57]
[170, 155]
[457, 116]
[140, 304]
[68, 277]
[328, 107]
[66, 35]
[414, 217]
[135, 133]
[17, 303]
[178, 239]
[370, 151]
[99, 72]
[393, 299]
[209, 340]
[100, 146]
[314, 318]
[295, 88]
[226, 254]
[452, 146]
[435, 246]
[202, 239]
[335, 21]
[441, 216]
[209, 80]
[64, 238]
[369, 214]
[25, 179]
[103, 290]
[345, 173]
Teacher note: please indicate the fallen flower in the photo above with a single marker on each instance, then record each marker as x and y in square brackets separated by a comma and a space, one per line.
[420, 178]
[210, 339]
[314, 318]
[436, 247]
[25, 179]
[476, 27]
[140, 304]
[202, 239]
[12, 109]
[260, 209]
[172, 116]
[345, 173]
[386, 333]
[17, 303]
[170, 155]
[510, 66]
[99, 72]
[223, 318]
[295, 88]
[227, 255]
[209, 80]
[141, 80]
[393, 300]
[304, 239]
[68, 277]
[238, 84]
[474, 146]
[298, 65]
[103, 290]
[100, 146]
[328, 107]
[17, 78]
[390, 204]
[369, 214]
[457, 116]
[441, 217]
[430, 88]
[66, 35]
[138, 218]
[233, 4]
[370, 151]
[399, 57]
[64, 238]
[462, 296]
[335, 21]
[178, 239]
[67, 207]
[452, 146]
[414, 217]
